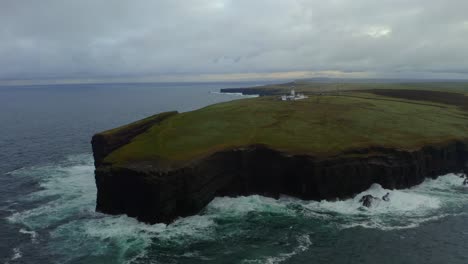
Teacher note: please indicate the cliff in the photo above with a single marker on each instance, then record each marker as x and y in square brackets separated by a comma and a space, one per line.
[325, 147]
[154, 195]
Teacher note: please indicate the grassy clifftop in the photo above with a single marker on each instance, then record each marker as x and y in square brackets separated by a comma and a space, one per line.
[320, 126]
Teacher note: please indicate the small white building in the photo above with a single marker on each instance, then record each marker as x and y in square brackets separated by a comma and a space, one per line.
[293, 96]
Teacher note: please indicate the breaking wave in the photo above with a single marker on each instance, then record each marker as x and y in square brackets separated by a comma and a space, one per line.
[303, 243]
[64, 205]
[406, 209]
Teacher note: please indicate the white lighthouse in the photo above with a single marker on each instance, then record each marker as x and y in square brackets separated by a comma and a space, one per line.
[293, 96]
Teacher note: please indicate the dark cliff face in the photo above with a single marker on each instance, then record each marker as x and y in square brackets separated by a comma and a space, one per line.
[154, 196]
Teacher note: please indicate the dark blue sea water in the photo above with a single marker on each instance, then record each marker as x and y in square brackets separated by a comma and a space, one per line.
[47, 197]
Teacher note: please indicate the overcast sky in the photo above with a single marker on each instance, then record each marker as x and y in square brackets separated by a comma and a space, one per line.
[232, 39]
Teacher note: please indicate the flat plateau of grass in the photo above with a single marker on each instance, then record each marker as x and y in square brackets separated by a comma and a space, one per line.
[320, 125]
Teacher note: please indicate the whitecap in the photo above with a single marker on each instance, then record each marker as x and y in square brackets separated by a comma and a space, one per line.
[303, 243]
[32, 234]
[17, 254]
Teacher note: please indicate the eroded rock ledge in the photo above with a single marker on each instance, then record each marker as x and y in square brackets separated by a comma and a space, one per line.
[153, 194]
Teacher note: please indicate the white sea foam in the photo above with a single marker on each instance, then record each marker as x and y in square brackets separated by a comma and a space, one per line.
[132, 238]
[239, 206]
[407, 208]
[400, 202]
[32, 234]
[69, 187]
[122, 227]
[303, 243]
[68, 191]
[17, 254]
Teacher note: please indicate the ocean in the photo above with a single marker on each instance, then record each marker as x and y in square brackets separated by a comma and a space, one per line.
[48, 194]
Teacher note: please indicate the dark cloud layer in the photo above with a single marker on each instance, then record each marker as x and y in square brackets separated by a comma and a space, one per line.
[105, 39]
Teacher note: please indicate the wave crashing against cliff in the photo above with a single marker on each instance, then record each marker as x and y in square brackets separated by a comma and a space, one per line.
[68, 194]
[152, 195]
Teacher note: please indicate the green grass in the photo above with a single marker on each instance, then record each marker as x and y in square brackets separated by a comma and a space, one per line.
[320, 125]
[138, 124]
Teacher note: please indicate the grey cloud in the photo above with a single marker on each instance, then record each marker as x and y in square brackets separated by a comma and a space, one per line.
[97, 38]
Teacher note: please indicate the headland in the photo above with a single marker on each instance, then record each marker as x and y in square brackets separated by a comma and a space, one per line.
[331, 145]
